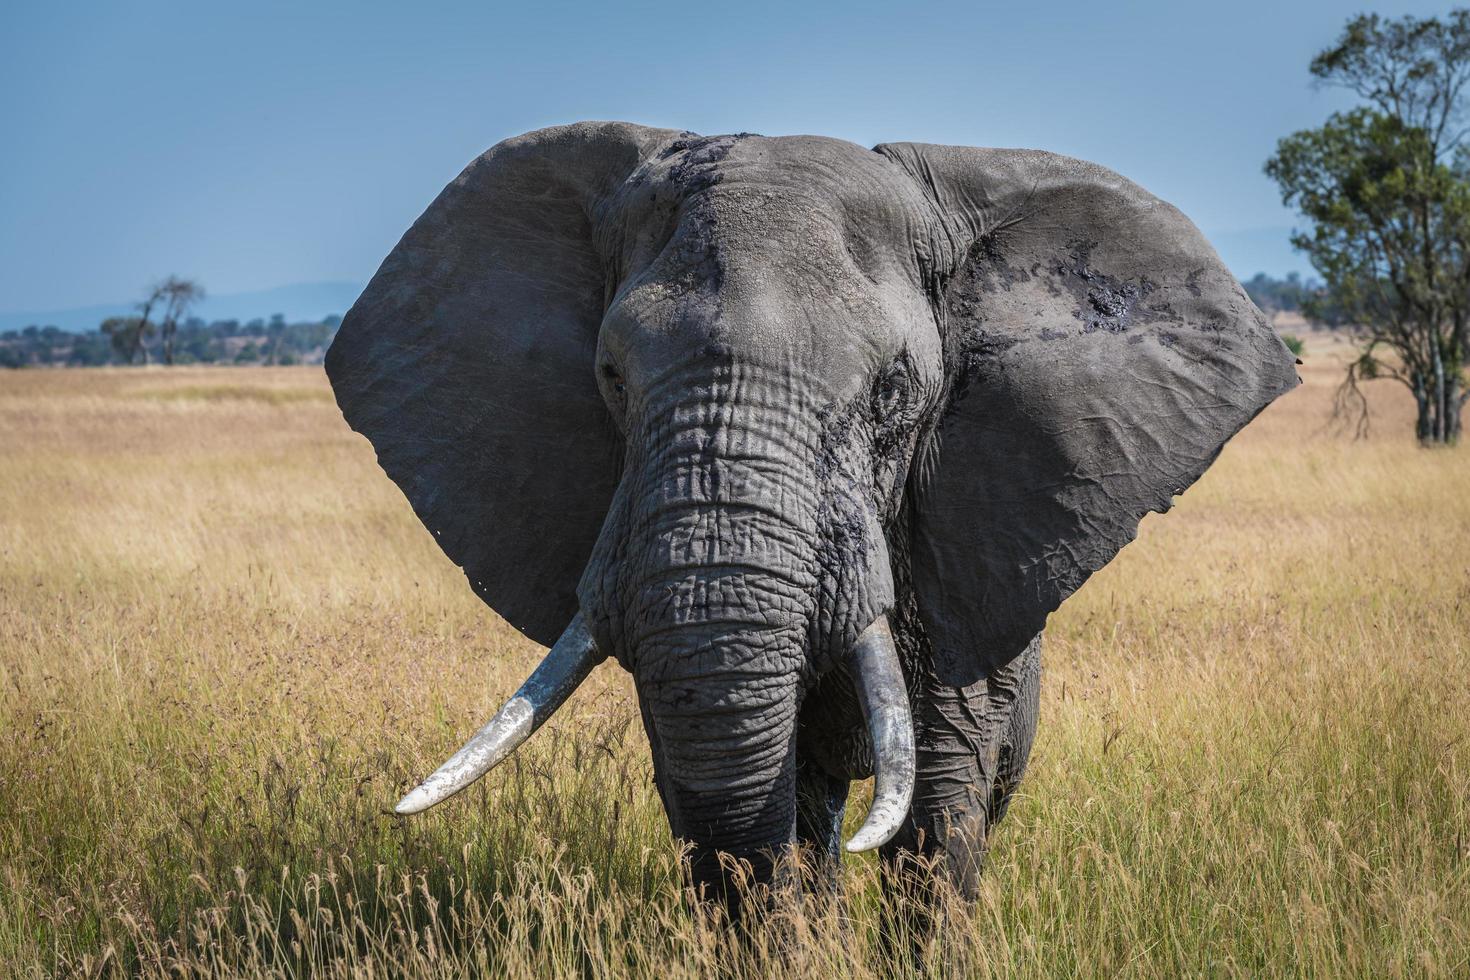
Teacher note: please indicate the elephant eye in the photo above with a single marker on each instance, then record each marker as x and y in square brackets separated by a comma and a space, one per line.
[891, 389]
[615, 381]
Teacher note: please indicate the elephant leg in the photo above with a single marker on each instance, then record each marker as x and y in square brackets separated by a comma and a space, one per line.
[1020, 732]
[820, 801]
[973, 744]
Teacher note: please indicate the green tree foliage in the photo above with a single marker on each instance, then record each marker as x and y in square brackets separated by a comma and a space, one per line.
[1386, 190]
[1277, 295]
[128, 334]
[88, 350]
[1295, 295]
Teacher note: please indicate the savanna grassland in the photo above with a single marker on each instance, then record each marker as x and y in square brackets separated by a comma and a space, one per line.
[227, 646]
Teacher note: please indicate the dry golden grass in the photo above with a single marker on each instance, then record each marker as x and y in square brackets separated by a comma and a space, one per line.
[226, 646]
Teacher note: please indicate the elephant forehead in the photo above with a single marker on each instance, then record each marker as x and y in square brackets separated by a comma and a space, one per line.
[695, 163]
[788, 190]
[791, 252]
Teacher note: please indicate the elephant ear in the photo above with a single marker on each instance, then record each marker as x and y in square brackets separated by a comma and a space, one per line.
[1099, 355]
[468, 362]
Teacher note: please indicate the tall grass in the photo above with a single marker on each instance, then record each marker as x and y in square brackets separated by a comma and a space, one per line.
[226, 647]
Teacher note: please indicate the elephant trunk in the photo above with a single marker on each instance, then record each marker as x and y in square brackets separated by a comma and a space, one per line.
[718, 648]
[705, 585]
[740, 560]
[724, 749]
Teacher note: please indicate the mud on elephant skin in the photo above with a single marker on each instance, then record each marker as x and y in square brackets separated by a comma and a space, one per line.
[808, 437]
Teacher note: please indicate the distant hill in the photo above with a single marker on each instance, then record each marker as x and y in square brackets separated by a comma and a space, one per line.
[307, 301]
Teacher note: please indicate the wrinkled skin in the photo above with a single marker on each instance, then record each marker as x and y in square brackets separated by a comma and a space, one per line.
[733, 398]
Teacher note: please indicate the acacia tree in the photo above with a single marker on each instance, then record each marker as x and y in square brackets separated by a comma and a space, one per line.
[128, 334]
[1386, 188]
[145, 328]
[177, 295]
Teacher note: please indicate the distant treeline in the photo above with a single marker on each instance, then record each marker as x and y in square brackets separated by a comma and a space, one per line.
[259, 341]
[1294, 294]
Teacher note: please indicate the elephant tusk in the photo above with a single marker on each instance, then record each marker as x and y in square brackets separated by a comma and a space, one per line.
[565, 666]
[885, 703]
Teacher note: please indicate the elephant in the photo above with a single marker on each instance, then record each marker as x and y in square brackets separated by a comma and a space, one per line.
[809, 438]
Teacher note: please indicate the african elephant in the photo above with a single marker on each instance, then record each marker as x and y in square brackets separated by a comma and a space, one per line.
[809, 438]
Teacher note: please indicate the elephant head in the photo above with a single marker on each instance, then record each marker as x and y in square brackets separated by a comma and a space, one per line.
[737, 411]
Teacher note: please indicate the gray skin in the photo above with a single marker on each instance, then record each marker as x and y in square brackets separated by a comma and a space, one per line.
[735, 397]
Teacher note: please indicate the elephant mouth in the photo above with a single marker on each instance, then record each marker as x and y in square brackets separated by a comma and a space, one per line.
[874, 667]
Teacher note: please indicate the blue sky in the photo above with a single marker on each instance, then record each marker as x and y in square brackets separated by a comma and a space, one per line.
[256, 145]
